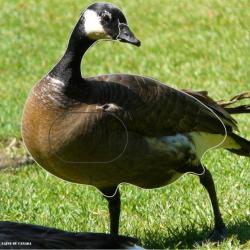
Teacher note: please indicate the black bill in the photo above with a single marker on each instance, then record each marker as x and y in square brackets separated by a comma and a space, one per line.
[127, 36]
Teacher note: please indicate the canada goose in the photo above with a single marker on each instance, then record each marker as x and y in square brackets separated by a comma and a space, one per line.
[25, 236]
[110, 129]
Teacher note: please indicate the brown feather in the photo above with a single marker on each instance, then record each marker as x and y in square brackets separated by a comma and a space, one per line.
[108, 129]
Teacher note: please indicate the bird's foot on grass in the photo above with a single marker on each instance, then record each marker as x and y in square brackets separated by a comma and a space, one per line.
[217, 235]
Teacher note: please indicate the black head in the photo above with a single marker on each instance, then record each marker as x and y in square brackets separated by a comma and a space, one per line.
[106, 21]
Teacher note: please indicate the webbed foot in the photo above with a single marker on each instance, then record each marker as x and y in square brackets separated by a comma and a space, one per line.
[217, 235]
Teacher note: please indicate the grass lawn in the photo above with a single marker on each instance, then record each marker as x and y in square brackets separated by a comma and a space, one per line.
[188, 44]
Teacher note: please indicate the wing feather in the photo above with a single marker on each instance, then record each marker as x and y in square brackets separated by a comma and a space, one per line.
[155, 109]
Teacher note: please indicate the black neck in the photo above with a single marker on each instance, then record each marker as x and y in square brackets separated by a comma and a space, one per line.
[68, 69]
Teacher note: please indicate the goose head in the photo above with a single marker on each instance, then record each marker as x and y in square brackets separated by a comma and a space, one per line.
[106, 21]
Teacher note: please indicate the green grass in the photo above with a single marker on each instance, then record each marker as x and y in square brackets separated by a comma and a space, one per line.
[188, 44]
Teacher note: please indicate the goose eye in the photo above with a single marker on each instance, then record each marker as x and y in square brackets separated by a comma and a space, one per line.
[106, 16]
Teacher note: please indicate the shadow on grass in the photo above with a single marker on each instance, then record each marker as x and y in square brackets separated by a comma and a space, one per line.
[190, 237]
[241, 229]
[40, 237]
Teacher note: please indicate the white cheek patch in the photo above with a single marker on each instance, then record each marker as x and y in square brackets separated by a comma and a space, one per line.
[93, 26]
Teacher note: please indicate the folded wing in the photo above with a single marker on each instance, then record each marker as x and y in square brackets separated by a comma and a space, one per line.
[154, 109]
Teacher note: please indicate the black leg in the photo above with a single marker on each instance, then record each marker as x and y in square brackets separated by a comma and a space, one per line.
[113, 197]
[219, 232]
[206, 179]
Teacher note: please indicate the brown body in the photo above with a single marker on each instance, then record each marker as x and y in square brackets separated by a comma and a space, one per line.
[128, 134]
[85, 144]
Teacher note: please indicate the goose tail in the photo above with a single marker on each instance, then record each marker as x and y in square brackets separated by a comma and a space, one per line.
[242, 109]
[225, 109]
[242, 145]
